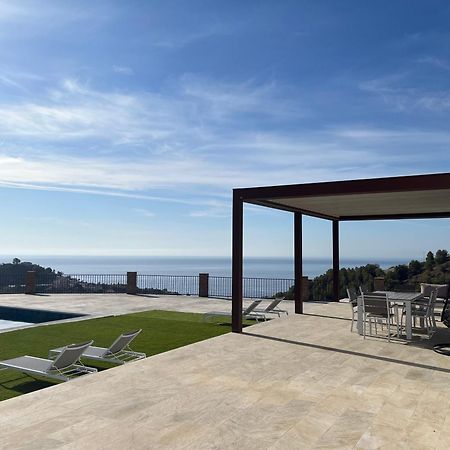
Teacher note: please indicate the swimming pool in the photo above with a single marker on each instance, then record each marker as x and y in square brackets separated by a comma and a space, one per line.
[11, 317]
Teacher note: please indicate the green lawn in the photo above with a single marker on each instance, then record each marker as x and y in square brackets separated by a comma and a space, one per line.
[161, 331]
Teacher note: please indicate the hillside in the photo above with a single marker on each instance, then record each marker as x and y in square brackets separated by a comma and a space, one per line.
[435, 269]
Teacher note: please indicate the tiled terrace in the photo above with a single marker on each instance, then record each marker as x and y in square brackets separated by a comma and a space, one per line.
[300, 382]
[113, 304]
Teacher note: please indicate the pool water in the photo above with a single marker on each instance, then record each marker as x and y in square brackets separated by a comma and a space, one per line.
[11, 317]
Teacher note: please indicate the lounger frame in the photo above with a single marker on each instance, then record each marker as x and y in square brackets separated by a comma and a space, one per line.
[64, 373]
[123, 355]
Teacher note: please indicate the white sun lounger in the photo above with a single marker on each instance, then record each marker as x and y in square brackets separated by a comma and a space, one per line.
[64, 368]
[272, 308]
[248, 313]
[118, 352]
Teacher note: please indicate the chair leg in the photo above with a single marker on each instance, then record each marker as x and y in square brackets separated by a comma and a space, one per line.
[364, 326]
[401, 322]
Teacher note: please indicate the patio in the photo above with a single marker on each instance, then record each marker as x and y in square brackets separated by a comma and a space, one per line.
[299, 382]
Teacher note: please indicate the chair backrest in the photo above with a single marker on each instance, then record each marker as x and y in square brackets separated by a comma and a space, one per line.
[445, 315]
[70, 355]
[122, 341]
[272, 305]
[432, 301]
[363, 289]
[251, 307]
[352, 295]
[375, 304]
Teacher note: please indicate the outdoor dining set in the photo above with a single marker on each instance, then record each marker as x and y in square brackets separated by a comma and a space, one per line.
[393, 314]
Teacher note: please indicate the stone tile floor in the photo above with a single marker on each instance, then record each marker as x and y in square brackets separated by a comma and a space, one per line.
[97, 305]
[298, 382]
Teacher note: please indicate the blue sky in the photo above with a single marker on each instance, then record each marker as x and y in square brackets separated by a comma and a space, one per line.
[125, 125]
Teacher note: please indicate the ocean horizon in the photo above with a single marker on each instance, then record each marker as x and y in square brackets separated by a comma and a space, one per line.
[264, 267]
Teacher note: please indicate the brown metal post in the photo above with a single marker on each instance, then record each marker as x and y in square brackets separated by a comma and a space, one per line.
[237, 262]
[131, 283]
[30, 282]
[298, 263]
[203, 284]
[336, 260]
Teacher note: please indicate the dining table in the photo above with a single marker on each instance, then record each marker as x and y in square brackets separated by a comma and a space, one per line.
[405, 298]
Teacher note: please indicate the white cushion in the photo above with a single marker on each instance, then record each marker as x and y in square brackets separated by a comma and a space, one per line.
[425, 289]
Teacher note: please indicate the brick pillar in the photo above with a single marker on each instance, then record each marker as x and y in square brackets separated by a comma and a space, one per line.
[305, 289]
[131, 283]
[30, 282]
[203, 284]
[378, 284]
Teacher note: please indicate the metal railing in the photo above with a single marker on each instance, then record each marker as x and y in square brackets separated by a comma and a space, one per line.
[10, 284]
[252, 287]
[218, 286]
[81, 283]
[167, 284]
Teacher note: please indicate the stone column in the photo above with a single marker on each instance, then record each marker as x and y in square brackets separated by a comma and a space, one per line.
[203, 284]
[30, 282]
[132, 283]
[378, 284]
[305, 289]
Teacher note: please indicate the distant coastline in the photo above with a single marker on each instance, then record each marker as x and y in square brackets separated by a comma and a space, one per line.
[266, 267]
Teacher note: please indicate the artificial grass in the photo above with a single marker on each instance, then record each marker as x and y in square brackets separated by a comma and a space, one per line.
[161, 331]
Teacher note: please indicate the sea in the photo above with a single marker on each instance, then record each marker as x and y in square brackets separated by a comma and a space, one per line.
[261, 267]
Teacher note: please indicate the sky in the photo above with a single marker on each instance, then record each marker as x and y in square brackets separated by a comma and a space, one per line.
[124, 126]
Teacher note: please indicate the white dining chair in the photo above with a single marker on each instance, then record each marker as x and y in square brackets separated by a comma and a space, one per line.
[425, 311]
[377, 308]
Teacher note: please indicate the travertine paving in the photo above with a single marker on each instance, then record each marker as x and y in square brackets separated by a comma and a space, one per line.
[111, 304]
[298, 382]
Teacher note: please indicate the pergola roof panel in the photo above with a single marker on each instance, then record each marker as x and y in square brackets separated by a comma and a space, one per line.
[418, 196]
[418, 202]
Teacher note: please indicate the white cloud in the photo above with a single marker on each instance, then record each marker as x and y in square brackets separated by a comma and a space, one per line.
[144, 212]
[402, 94]
[435, 61]
[123, 70]
[190, 141]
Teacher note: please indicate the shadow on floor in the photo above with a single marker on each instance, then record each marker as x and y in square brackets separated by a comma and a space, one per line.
[350, 352]
[347, 319]
[28, 384]
[24, 384]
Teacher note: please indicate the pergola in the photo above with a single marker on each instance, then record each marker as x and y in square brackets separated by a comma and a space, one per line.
[408, 197]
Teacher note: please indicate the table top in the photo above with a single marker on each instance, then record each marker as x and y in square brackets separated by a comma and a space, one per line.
[401, 296]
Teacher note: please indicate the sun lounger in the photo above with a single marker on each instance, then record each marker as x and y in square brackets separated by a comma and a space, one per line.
[272, 308]
[247, 313]
[118, 352]
[65, 367]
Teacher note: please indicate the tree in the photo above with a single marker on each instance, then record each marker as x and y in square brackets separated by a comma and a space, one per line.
[429, 261]
[415, 267]
[441, 256]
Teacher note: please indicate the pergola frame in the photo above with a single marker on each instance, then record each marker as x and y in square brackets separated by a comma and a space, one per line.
[408, 197]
